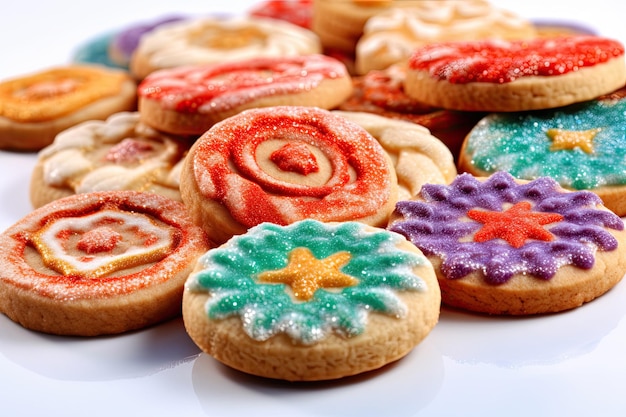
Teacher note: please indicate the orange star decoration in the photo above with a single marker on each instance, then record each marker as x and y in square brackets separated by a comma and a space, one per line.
[515, 225]
[305, 273]
[571, 139]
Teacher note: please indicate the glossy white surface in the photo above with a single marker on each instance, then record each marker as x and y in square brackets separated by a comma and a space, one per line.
[569, 364]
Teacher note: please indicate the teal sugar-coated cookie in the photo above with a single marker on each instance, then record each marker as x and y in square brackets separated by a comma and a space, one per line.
[96, 51]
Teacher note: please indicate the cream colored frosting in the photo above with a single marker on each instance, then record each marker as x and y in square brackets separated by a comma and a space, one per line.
[82, 158]
[209, 40]
[390, 36]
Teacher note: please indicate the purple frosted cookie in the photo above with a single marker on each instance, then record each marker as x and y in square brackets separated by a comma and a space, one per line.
[124, 43]
[505, 246]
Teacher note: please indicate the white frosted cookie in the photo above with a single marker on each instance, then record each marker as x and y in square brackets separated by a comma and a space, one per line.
[390, 36]
[98, 263]
[211, 40]
[35, 107]
[120, 153]
[418, 157]
[317, 301]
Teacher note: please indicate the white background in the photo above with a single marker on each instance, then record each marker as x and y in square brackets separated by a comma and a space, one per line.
[570, 364]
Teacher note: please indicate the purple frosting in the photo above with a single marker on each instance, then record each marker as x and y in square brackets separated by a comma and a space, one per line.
[439, 226]
[126, 41]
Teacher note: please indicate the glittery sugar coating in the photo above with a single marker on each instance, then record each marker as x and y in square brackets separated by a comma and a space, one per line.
[439, 226]
[520, 143]
[226, 167]
[499, 61]
[221, 87]
[377, 268]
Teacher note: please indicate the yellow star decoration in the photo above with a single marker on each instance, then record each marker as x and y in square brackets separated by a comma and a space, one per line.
[570, 139]
[305, 273]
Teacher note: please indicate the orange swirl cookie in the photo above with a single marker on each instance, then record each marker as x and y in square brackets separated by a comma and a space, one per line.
[98, 263]
[284, 164]
[390, 36]
[418, 157]
[120, 153]
[320, 301]
[189, 100]
[34, 108]
[515, 75]
[211, 40]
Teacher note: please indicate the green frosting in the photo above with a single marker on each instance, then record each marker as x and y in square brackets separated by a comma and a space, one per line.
[518, 144]
[230, 274]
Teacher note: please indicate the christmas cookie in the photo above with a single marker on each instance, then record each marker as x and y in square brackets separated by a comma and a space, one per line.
[211, 40]
[34, 108]
[390, 36]
[502, 246]
[314, 301]
[284, 164]
[515, 75]
[382, 92]
[96, 51]
[581, 146]
[98, 263]
[189, 100]
[120, 153]
[418, 157]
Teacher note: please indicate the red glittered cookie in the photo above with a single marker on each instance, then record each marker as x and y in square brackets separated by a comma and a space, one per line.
[98, 263]
[189, 100]
[515, 75]
[283, 164]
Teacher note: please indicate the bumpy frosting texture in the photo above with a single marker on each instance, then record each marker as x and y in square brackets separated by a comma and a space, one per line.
[389, 37]
[532, 228]
[222, 87]
[581, 146]
[346, 270]
[120, 153]
[227, 170]
[211, 40]
[499, 61]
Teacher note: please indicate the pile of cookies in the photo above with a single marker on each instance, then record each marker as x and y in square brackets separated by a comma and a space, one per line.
[306, 183]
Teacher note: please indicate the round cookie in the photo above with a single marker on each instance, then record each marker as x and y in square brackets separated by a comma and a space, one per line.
[189, 100]
[339, 24]
[504, 246]
[120, 153]
[418, 157]
[320, 301]
[390, 36]
[382, 92]
[35, 108]
[98, 263]
[298, 12]
[283, 164]
[581, 146]
[515, 75]
[212, 40]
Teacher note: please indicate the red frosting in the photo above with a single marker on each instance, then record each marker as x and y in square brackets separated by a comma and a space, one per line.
[499, 61]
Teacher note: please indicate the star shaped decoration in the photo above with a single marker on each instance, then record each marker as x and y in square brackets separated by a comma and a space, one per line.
[571, 139]
[306, 274]
[515, 225]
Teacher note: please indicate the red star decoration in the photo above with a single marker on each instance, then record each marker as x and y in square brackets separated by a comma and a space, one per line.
[515, 225]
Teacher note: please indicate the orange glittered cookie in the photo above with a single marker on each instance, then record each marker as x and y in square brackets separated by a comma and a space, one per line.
[98, 263]
[34, 108]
